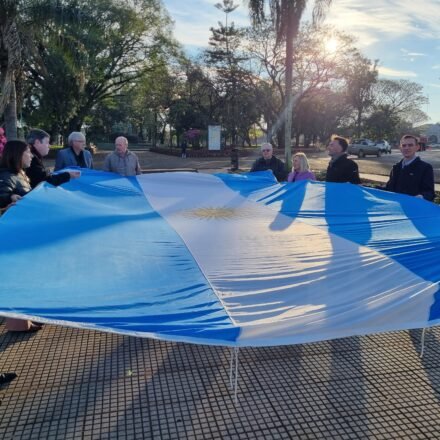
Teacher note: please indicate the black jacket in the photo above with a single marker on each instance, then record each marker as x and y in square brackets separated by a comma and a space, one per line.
[343, 170]
[274, 164]
[11, 183]
[37, 172]
[415, 178]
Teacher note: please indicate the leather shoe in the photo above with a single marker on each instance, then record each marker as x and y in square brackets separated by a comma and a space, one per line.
[7, 377]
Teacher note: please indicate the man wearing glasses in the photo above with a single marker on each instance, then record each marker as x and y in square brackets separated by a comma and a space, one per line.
[412, 175]
[269, 162]
[75, 155]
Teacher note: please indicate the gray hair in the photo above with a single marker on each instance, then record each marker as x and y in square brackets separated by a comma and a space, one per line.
[75, 136]
[266, 145]
[36, 134]
[122, 138]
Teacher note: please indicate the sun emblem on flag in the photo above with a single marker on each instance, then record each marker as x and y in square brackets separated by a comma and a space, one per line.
[214, 213]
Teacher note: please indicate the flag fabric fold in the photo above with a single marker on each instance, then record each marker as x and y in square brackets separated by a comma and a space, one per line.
[236, 260]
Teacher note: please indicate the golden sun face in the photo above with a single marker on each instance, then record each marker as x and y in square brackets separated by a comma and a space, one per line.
[214, 213]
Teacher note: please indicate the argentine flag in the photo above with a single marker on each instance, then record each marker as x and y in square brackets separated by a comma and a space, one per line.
[234, 260]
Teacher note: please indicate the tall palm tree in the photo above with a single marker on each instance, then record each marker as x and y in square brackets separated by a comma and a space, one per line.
[10, 63]
[286, 16]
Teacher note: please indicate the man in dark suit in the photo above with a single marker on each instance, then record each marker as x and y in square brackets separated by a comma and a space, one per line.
[341, 169]
[75, 155]
[412, 175]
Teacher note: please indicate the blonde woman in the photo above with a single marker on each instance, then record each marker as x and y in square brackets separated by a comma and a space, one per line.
[300, 169]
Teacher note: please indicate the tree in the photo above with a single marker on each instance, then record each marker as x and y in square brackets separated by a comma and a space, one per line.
[401, 98]
[361, 76]
[320, 73]
[195, 102]
[226, 59]
[382, 124]
[11, 47]
[395, 104]
[286, 16]
[88, 51]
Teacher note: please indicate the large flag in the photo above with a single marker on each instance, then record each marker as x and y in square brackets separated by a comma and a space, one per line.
[236, 260]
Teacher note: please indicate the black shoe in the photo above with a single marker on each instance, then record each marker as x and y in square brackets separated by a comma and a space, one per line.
[7, 377]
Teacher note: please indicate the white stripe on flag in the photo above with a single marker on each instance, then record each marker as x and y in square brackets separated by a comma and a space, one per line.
[284, 281]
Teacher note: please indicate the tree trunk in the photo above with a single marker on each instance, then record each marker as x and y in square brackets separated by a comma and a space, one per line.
[75, 124]
[154, 130]
[359, 123]
[280, 138]
[10, 115]
[290, 33]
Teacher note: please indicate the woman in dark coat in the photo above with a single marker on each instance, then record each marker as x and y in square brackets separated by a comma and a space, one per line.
[14, 184]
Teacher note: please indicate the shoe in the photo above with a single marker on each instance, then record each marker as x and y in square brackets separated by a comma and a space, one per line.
[32, 328]
[7, 377]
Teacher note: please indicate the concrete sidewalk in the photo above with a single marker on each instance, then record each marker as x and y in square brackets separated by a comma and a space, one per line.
[77, 384]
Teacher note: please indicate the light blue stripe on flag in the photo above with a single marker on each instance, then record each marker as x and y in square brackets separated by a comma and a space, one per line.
[96, 254]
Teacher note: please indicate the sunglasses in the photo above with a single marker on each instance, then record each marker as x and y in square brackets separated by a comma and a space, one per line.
[408, 145]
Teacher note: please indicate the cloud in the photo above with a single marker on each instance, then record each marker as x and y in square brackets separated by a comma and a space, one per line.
[387, 71]
[407, 53]
[392, 18]
[437, 86]
[192, 24]
[436, 67]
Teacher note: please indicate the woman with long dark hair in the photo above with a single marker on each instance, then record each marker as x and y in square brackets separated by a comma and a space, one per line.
[14, 183]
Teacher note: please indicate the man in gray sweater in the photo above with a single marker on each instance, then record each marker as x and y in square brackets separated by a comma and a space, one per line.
[122, 161]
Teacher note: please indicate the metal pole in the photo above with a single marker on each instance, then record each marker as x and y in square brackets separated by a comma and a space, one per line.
[423, 342]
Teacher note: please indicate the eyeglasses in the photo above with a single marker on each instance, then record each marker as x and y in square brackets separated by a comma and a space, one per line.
[408, 145]
[265, 151]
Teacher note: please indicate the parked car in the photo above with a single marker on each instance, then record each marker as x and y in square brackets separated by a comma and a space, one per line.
[384, 146]
[364, 147]
[433, 146]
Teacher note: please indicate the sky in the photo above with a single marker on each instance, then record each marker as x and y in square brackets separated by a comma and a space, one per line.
[404, 35]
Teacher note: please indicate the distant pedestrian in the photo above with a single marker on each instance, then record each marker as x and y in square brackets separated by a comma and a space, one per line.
[75, 155]
[412, 175]
[341, 169]
[269, 162]
[183, 147]
[122, 161]
[300, 169]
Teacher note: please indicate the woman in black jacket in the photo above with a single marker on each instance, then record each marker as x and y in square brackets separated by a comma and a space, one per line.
[14, 183]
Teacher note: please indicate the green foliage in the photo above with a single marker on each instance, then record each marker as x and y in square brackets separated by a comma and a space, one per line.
[87, 52]
[237, 106]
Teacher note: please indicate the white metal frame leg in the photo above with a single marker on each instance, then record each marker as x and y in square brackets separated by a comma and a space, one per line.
[233, 372]
[423, 342]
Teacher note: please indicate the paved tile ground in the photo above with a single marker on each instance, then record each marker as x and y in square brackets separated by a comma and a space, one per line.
[75, 384]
